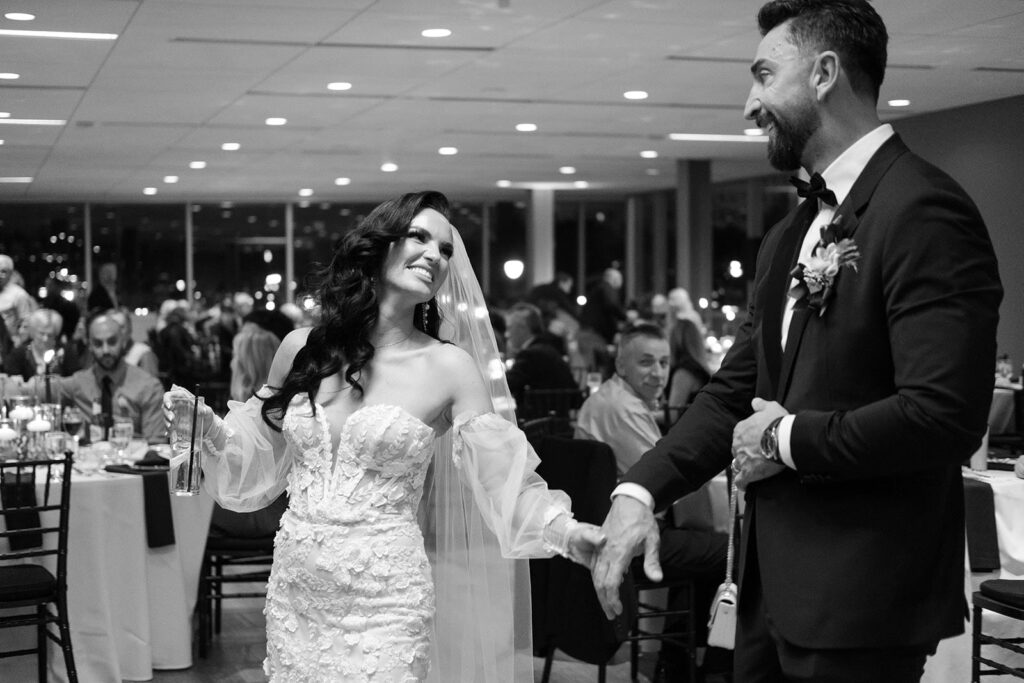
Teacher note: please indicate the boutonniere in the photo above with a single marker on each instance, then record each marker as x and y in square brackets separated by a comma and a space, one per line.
[816, 276]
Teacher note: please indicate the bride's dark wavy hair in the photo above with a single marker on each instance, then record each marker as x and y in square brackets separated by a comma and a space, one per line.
[346, 291]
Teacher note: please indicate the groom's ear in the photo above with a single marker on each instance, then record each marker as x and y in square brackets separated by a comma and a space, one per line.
[825, 74]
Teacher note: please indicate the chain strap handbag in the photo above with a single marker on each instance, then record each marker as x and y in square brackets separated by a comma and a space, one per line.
[722, 625]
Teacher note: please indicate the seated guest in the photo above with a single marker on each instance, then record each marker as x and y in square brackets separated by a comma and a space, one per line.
[140, 354]
[110, 388]
[253, 350]
[537, 355]
[44, 334]
[621, 413]
[689, 364]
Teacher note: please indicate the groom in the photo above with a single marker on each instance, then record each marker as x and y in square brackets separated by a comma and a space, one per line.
[857, 385]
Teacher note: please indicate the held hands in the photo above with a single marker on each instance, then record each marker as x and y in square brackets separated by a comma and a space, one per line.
[629, 529]
[748, 465]
[583, 542]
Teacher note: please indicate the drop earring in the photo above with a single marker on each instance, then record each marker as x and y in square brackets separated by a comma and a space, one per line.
[426, 304]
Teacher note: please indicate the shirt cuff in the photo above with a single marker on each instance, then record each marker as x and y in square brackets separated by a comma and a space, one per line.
[785, 429]
[635, 491]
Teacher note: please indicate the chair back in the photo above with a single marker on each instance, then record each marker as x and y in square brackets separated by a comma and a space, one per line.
[567, 614]
[562, 403]
[537, 428]
[31, 493]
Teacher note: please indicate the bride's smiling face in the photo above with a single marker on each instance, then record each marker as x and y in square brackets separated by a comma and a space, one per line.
[417, 263]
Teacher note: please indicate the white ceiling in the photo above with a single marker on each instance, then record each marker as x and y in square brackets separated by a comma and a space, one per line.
[185, 76]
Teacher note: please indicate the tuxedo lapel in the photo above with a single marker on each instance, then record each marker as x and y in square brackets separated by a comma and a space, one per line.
[777, 286]
[861, 192]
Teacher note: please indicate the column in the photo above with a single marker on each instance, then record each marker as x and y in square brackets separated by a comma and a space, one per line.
[485, 247]
[540, 238]
[631, 257]
[289, 252]
[659, 242]
[693, 226]
[87, 241]
[581, 248]
[189, 252]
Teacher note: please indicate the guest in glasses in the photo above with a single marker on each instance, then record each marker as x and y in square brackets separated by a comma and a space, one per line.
[855, 389]
[45, 351]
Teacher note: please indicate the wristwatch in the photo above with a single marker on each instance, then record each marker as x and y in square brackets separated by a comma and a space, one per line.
[770, 442]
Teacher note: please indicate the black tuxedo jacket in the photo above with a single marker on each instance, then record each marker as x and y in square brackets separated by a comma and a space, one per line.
[862, 545]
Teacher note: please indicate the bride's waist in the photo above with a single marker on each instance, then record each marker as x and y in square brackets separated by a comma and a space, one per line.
[377, 520]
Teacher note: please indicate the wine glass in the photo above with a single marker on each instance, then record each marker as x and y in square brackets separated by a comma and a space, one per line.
[73, 421]
[121, 437]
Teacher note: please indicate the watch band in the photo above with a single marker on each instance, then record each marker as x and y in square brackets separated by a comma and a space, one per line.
[770, 442]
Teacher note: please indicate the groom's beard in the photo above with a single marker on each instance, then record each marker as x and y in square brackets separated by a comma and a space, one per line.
[787, 137]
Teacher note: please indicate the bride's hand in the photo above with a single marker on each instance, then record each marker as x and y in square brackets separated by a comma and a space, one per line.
[583, 543]
[179, 393]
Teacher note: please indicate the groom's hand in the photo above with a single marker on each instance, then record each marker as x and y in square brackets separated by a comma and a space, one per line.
[629, 529]
[748, 465]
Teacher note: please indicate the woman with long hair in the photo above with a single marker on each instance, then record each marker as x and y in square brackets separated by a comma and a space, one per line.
[688, 363]
[252, 354]
[410, 486]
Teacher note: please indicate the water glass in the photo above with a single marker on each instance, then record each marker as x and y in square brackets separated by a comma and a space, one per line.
[186, 432]
[55, 444]
[121, 437]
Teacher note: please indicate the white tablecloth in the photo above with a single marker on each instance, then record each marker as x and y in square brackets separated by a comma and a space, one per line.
[129, 606]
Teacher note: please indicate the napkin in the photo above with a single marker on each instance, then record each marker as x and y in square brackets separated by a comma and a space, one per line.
[17, 493]
[982, 540]
[156, 497]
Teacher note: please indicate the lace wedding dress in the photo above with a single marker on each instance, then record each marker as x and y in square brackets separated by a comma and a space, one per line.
[351, 595]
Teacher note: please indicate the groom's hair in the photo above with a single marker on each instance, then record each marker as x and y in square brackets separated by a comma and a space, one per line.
[852, 28]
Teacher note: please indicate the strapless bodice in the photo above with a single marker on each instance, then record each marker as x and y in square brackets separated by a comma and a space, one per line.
[376, 471]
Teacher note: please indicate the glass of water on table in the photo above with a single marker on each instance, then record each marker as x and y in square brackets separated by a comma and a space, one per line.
[186, 432]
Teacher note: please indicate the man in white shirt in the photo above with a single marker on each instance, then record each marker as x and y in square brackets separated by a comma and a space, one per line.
[621, 413]
[855, 389]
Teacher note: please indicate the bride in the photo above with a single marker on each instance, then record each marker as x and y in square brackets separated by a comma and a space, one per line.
[393, 563]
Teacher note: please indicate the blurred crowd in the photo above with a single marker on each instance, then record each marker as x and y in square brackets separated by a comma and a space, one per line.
[549, 339]
[227, 346]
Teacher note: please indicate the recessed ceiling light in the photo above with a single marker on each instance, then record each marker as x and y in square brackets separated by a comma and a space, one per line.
[16, 179]
[899, 103]
[170, 179]
[9, 76]
[448, 151]
[635, 94]
[389, 167]
[306, 192]
[526, 127]
[197, 164]
[753, 131]
[1, 142]
[33, 122]
[342, 181]
[5, 114]
[276, 121]
[567, 170]
[73, 35]
[504, 183]
[19, 16]
[708, 137]
[648, 154]
[231, 147]
[436, 33]
[581, 184]
[339, 85]
[149, 191]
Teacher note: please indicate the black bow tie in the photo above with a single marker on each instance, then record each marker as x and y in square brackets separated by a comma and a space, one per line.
[815, 189]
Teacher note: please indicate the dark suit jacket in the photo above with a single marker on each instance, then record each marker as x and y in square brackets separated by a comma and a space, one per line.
[863, 544]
